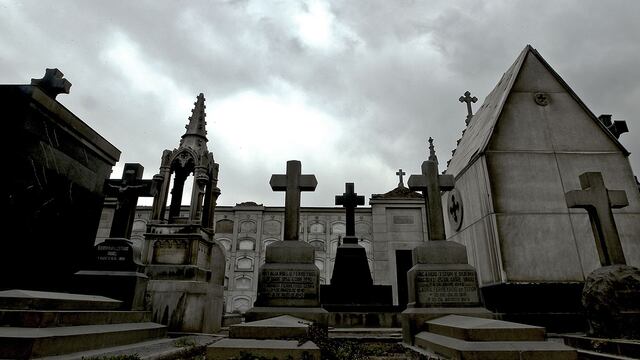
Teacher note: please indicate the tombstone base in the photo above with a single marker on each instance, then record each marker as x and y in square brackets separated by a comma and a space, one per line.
[126, 286]
[290, 252]
[288, 285]
[317, 315]
[611, 298]
[187, 306]
[414, 319]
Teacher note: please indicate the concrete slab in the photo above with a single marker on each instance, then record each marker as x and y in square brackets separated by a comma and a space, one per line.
[315, 314]
[16, 342]
[47, 318]
[17, 299]
[457, 349]
[280, 327]
[271, 349]
[480, 329]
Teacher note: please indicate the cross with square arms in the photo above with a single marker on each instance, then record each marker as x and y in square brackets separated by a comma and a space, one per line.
[292, 183]
[598, 201]
[350, 200]
[400, 174]
[431, 183]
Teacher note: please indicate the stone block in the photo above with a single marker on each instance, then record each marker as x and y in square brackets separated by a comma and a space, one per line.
[445, 285]
[270, 349]
[414, 319]
[482, 329]
[288, 252]
[280, 327]
[314, 314]
[43, 300]
[289, 284]
[440, 252]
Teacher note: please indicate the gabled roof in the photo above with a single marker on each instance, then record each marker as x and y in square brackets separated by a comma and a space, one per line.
[476, 137]
[401, 192]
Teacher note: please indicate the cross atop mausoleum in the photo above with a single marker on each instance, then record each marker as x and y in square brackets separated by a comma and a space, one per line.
[400, 174]
[127, 190]
[350, 200]
[53, 83]
[430, 182]
[293, 183]
[467, 98]
[598, 201]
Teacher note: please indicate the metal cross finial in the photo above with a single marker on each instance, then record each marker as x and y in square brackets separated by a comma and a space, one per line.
[468, 99]
[401, 173]
[432, 151]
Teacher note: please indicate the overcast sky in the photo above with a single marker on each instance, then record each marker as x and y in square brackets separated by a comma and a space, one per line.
[353, 89]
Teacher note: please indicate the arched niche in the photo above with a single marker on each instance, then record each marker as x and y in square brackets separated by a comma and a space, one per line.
[271, 227]
[317, 244]
[241, 304]
[268, 242]
[362, 228]
[226, 244]
[243, 283]
[248, 227]
[246, 243]
[244, 263]
[224, 226]
[338, 228]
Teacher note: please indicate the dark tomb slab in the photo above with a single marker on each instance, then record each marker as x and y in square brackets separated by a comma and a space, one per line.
[53, 194]
[351, 287]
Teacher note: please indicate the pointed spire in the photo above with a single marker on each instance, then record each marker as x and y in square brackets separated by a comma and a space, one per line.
[432, 151]
[196, 135]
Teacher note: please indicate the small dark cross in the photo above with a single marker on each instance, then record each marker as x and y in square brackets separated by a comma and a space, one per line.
[127, 190]
[598, 201]
[468, 99]
[454, 208]
[400, 173]
[431, 183]
[292, 183]
[53, 83]
[350, 200]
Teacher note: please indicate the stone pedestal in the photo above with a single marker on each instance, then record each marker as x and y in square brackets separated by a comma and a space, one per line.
[288, 284]
[351, 287]
[440, 283]
[116, 272]
[186, 272]
[611, 298]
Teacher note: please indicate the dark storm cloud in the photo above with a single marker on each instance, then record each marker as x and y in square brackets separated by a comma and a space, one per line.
[389, 74]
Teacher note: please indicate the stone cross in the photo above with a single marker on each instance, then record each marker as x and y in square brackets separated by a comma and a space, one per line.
[616, 127]
[127, 190]
[400, 173]
[468, 99]
[598, 201]
[350, 200]
[53, 83]
[430, 182]
[293, 183]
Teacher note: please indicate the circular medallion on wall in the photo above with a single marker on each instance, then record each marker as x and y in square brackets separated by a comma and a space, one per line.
[454, 209]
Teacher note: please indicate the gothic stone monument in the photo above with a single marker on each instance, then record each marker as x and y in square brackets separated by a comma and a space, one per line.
[117, 271]
[53, 195]
[185, 264]
[351, 285]
[288, 283]
[611, 294]
[441, 281]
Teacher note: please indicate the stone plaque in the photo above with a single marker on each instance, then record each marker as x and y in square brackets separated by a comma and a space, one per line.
[115, 254]
[448, 287]
[403, 220]
[289, 284]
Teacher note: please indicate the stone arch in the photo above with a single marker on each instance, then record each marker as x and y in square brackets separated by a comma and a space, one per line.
[226, 244]
[318, 244]
[243, 282]
[338, 228]
[267, 242]
[224, 226]
[246, 243]
[317, 228]
[244, 263]
[241, 304]
[272, 227]
[362, 228]
[247, 227]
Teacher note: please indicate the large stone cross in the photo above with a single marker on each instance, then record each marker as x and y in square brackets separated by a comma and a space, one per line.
[127, 190]
[400, 174]
[467, 98]
[350, 200]
[53, 83]
[293, 183]
[431, 183]
[598, 201]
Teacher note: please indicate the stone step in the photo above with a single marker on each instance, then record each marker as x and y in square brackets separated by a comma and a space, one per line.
[51, 318]
[481, 329]
[280, 327]
[367, 334]
[42, 300]
[24, 343]
[270, 349]
[593, 355]
[614, 347]
[453, 348]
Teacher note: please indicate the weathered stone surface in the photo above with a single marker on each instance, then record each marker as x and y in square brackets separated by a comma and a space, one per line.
[269, 349]
[280, 327]
[288, 284]
[611, 298]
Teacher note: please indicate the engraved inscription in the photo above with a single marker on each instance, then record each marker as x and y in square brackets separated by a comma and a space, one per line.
[290, 284]
[447, 286]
